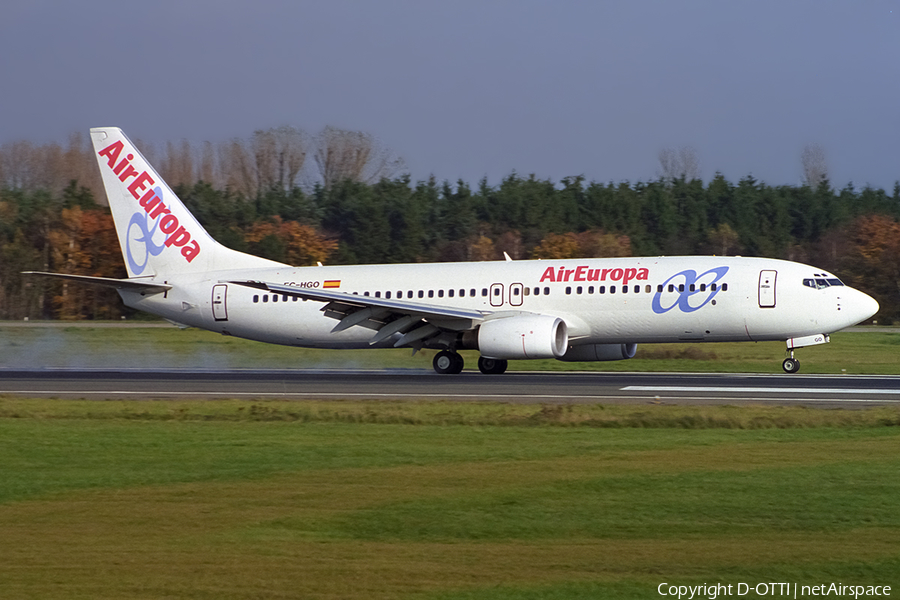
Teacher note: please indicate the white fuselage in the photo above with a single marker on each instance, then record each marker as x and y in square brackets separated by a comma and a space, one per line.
[665, 299]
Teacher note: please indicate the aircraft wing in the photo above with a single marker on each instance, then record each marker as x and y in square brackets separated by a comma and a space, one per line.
[134, 285]
[414, 322]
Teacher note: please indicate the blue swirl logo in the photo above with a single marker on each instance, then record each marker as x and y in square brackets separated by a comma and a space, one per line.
[689, 297]
[140, 220]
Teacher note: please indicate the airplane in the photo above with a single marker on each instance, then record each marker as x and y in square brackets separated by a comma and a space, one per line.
[595, 309]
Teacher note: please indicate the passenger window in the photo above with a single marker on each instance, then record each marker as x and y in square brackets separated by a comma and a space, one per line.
[515, 291]
[578, 290]
[568, 290]
[472, 292]
[624, 289]
[274, 297]
[440, 293]
[659, 288]
[284, 298]
[693, 288]
[386, 295]
[590, 289]
[546, 291]
[702, 287]
[421, 293]
[450, 293]
[484, 291]
[724, 287]
[462, 293]
[266, 298]
[712, 287]
[378, 294]
[648, 289]
[671, 288]
[526, 291]
[612, 289]
[496, 291]
[409, 294]
[680, 287]
[637, 289]
[256, 298]
[431, 293]
[602, 289]
[295, 298]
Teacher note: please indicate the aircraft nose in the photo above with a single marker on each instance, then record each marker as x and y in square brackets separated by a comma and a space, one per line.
[862, 306]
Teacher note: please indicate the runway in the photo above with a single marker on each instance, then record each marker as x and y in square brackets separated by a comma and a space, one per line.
[523, 387]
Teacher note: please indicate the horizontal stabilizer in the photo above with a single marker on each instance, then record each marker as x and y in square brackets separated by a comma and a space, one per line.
[132, 285]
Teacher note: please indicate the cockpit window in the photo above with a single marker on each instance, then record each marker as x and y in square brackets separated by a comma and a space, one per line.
[822, 282]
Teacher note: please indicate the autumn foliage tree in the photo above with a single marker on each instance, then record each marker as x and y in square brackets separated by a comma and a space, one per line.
[290, 242]
[871, 260]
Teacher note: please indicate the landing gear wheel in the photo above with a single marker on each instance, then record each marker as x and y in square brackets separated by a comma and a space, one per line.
[791, 365]
[492, 366]
[448, 363]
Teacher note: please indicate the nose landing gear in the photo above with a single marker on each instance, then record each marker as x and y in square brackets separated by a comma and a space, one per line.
[791, 365]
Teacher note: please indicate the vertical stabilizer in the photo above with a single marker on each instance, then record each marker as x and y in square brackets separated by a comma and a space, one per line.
[158, 235]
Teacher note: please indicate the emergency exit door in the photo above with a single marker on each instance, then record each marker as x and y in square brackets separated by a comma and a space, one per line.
[219, 307]
[767, 289]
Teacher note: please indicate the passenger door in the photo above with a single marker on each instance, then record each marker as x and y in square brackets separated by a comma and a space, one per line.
[767, 289]
[219, 308]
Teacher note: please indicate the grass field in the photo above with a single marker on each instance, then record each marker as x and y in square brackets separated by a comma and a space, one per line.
[439, 501]
[168, 347]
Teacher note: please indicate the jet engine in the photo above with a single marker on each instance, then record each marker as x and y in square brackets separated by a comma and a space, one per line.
[599, 352]
[524, 336]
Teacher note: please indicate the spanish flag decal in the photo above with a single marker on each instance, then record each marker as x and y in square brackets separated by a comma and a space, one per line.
[331, 283]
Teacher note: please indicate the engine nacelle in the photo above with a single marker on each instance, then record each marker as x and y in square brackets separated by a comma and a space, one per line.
[599, 352]
[524, 336]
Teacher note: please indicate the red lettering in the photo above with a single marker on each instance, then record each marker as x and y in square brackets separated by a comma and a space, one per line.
[603, 275]
[140, 183]
[559, 276]
[616, 274]
[549, 275]
[568, 272]
[643, 274]
[111, 152]
[168, 224]
[128, 172]
[122, 164]
[593, 274]
[179, 238]
[150, 200]
[629, 275]
[191, 252]
[161, 210]
[579, 273]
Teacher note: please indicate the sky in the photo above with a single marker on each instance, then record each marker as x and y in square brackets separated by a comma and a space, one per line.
[467, 89]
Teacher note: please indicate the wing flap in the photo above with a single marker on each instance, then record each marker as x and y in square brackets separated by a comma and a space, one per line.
[413, 321]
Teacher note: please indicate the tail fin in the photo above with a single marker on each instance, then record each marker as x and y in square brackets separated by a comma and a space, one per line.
[157, 233]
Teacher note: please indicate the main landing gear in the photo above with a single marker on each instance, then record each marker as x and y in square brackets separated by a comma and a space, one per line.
[448, 362]
[492, 366]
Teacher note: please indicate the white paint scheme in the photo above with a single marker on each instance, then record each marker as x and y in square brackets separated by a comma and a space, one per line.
[214, 289]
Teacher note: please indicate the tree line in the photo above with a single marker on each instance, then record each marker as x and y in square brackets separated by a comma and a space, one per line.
[338, 197]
